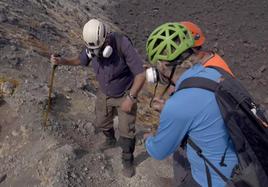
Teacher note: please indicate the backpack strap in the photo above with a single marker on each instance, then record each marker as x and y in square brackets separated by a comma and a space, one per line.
[198, 82]
[198, 150]
[210, 85]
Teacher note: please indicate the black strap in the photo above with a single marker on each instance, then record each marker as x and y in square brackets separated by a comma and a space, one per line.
[151, 101]
[224, 154]
[199, 153]
[208, 175]
[199, 82]
[170, 80]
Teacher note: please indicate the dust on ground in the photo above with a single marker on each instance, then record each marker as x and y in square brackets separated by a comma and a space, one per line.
[66, 153]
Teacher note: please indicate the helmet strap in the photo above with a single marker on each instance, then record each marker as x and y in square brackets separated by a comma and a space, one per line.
[170, 80]
[174, 64]
[169, 84]
[151, 101]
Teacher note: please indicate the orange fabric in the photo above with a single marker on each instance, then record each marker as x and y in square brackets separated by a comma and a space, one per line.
[217, 61]
[197, 33]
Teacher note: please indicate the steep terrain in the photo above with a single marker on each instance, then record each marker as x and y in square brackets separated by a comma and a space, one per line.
[237, 30]
[66, 153]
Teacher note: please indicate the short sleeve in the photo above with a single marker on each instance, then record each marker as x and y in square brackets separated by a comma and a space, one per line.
[133, 59]
[84, 60]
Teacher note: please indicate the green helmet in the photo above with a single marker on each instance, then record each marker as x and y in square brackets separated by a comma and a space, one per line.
[167, 42]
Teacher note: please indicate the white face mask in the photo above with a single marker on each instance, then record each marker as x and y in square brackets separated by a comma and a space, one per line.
[106, 53]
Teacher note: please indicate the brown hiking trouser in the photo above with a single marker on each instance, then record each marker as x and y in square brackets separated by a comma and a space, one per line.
[107, 107]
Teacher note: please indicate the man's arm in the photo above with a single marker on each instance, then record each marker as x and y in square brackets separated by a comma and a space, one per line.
[65, 61]
[174, 124]
[137, 84]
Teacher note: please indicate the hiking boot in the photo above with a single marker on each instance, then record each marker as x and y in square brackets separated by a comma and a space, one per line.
[128, 147]
[110, 141]
[128, 170]
[128, 167]
[108, 144]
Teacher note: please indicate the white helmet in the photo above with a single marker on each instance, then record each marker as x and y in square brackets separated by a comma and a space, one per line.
[94, 33]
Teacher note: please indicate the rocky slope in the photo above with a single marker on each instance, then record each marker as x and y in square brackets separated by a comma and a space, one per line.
[66, 153]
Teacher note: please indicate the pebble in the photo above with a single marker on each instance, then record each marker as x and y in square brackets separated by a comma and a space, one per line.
[73, 175]
[262, 68]
[14, 133]
[7, 88]
[68, 89]
[68, 97]
[23, 129]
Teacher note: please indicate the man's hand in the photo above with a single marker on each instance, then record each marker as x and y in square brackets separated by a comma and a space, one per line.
[127, 105]
[57, 60]
[146, 135]
[158, 104]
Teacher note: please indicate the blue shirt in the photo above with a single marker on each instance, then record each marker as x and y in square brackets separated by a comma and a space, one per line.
[195, 112]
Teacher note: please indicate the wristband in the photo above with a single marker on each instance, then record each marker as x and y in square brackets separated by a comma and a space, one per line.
[132, 97]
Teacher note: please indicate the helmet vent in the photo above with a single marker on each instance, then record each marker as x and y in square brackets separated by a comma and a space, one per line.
[171, 25]
[152, 57]
[171, 32]
[163, 52]
[173, 49]
[186, 33]
[176, 39]
[157, 42]
[163, 33]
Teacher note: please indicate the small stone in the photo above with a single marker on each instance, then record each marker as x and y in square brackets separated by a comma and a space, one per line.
[7, 88]
[68, 97]
[23, 129]
[262, 68]
[68, 89]
[14, 133]
[221, 52]
[73, 175]
[90, 128]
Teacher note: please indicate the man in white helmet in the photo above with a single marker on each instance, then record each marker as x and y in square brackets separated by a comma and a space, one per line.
[119, 71]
